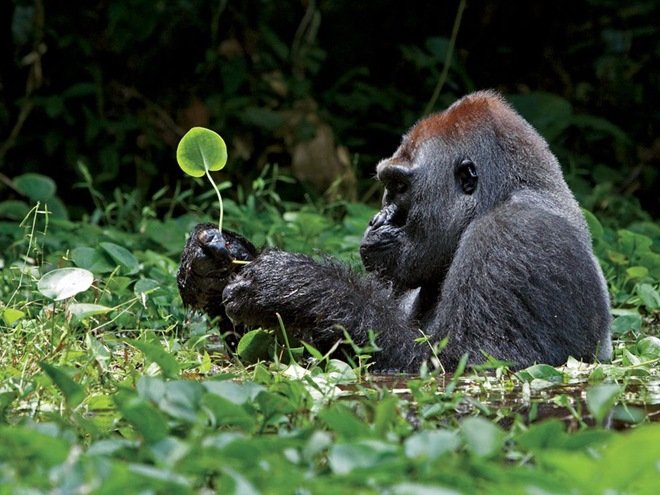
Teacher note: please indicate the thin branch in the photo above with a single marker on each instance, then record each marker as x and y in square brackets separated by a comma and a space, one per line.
[448, 58]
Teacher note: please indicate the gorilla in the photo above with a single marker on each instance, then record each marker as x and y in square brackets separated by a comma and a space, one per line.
[479, 241]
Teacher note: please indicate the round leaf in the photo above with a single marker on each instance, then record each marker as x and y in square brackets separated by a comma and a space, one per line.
[199, 150]
[65, 282]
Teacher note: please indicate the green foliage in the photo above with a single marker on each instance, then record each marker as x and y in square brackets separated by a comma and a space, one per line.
[115, 387]
[108, 385]
[274, 75]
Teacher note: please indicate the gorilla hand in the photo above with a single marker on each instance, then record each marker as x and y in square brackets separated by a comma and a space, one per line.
[207, 263]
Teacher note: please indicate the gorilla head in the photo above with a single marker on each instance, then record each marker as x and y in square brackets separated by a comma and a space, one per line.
[450, 169]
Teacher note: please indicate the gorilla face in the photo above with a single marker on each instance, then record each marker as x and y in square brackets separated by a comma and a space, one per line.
[429, 200]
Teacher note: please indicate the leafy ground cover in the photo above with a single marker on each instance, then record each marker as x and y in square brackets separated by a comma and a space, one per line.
[117, 389]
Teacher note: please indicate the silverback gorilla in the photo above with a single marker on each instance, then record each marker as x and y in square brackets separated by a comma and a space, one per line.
[479, 240]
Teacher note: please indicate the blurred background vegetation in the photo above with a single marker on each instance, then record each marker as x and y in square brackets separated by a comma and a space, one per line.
[96, 95]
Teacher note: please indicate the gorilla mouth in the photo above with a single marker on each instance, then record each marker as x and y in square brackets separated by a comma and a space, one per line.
[378, 255]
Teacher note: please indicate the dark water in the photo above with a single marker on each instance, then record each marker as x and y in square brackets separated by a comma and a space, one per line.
[640, 402]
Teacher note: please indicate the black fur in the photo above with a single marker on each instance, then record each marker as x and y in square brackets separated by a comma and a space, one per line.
[479, 240]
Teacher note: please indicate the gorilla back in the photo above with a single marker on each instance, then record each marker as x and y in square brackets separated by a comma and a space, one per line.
[479, 240]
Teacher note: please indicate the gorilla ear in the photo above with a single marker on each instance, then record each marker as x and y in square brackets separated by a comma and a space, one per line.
[466, 175]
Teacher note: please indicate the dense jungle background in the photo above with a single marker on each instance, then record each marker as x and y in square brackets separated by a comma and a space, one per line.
[108, 384]
[101, 92]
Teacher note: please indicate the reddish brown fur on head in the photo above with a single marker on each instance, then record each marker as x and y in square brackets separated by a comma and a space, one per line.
[459, 120]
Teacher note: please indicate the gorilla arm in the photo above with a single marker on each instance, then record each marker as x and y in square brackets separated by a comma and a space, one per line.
[317, 300]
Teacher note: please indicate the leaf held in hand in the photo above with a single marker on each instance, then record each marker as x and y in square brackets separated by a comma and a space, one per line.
[199, 150]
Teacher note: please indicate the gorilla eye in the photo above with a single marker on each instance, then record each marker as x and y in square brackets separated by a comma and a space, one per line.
[466, 173]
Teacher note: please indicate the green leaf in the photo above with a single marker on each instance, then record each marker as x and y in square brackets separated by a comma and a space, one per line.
[63, 283]
[14, 209]
[431, 444]
[541, 372]
[145, 418]
[201, 150]
[37, 187]
[601, 398]
[237, 393]
[179, 399]
[227, 413]
[344, 422]
[482, 438]
[272, 404]
[73, 392]
[255, 345]
[649, 347]
[31, 445]
[635, 272]
[122, 256]
[543, 435]
[156, 353]
[649, 296]
[94, 260]
[12, 315]
[594, 224]
[626, 323]
[83, 310]
[365, 454]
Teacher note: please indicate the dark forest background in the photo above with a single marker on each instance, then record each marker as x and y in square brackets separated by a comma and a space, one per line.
[96, 94]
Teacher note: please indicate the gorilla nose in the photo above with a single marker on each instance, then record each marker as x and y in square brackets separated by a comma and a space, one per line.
[377, 221]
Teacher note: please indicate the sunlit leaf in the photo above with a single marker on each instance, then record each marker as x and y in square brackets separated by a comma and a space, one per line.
[182, 400]
[85, 310]
[636, 272]
[63, 283]
[12, 315]
[199, 150]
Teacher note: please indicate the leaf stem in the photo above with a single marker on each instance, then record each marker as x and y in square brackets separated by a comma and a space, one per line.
[217, 191]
